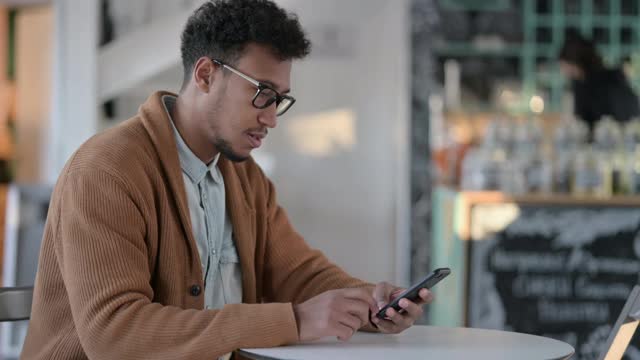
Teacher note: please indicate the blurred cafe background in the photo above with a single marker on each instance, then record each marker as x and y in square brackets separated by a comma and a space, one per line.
[500, 138]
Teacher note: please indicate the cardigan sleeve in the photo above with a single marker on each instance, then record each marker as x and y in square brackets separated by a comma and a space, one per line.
[102, 254]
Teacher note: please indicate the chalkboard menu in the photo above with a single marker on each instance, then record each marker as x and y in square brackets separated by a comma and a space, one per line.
[561, 271]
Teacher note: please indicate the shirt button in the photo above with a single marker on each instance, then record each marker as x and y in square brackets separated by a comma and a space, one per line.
[195, 290]
[204, 196]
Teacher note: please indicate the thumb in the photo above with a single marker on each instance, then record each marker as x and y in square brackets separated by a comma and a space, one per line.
[381, 294]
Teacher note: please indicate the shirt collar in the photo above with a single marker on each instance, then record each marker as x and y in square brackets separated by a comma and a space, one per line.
[191, 165]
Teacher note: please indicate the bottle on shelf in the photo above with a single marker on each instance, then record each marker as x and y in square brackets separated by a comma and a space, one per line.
[532, 170]
[631, 135]
[609, 147]
[569, 136]
[592, 175]
[631, 176]
[633, 172]
[485, 167]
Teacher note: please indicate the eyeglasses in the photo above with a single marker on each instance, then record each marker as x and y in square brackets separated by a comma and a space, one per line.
[266, 95]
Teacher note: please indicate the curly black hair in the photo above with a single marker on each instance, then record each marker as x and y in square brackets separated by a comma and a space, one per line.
[221, 29]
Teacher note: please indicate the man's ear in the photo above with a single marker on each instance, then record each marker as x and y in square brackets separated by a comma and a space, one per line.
[204, 72]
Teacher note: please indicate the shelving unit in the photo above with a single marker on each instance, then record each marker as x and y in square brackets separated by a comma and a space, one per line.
[613, 24]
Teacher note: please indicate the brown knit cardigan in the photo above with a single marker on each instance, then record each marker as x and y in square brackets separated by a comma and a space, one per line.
[119, 275]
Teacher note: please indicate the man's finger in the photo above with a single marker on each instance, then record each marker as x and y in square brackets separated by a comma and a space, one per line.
[344, 332]
[357, 308]
[393, 315]
[426, 296]
[382, 294]
[396, 292]
[362, 294]
[386, 326]
[352, 321]
[412, 309]
[400, 321]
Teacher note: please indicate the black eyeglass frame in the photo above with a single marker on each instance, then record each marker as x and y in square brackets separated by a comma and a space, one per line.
[277, 98]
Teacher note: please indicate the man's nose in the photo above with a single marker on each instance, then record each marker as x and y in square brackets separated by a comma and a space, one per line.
[268, 117]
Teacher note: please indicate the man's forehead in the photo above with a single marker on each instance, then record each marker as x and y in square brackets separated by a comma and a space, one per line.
[267, 68]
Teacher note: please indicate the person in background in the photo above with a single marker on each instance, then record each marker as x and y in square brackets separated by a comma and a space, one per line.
[597, 90]
[164, 239]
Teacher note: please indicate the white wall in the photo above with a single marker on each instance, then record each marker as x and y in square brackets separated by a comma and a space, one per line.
[340, 157]
[74, 116]
[130, 15]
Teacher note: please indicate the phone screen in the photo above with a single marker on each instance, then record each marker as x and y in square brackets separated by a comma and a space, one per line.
[412, 293]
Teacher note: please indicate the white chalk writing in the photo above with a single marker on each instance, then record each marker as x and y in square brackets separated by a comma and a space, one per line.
[562, 312]
[525, 261]
[574, 227]
[578, 260]
[586, 289]
[540, 285]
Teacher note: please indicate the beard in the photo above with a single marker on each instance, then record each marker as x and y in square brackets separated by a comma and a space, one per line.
[224, 147]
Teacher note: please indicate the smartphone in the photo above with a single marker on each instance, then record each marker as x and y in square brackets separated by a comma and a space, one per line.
[412, 293]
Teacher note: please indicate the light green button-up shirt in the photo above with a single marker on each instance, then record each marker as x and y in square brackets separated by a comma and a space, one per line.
[211, 226]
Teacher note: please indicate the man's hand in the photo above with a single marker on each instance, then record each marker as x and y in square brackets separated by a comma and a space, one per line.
[337, 313]
[397, 322]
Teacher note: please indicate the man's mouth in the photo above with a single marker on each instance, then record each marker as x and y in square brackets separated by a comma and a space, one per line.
[255, 139]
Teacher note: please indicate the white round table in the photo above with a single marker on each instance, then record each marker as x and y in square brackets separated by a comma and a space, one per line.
[423, 342]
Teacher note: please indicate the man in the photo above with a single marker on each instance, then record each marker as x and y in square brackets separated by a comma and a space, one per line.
[597, 90]
[164, 239]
